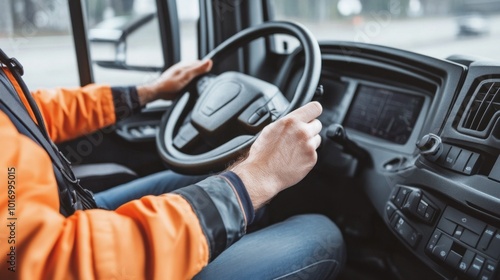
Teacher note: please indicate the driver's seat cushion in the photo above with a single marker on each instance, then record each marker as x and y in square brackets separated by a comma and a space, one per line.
[102, 176]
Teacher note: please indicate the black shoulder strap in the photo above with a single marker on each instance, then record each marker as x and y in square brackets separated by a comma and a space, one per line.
[69, 187]
[16, 108]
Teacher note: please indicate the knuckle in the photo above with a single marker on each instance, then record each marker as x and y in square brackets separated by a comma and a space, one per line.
[311, 147]
[177, 72]
[320, 125]
[186, 76]
[289, 121]
[302, 134]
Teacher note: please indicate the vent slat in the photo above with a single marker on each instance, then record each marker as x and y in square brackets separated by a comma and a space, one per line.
[483, 106]
[490, 110]
[481, 110]
[475, 103]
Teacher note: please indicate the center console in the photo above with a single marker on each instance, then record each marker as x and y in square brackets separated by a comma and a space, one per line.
[463, 244]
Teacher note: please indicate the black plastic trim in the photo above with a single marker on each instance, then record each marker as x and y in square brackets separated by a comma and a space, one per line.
[81, 43]
[169, 30]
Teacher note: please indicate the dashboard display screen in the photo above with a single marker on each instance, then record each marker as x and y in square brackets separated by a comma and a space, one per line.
[384, 113]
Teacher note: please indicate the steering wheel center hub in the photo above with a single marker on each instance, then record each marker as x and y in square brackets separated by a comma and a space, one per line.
[219, 96]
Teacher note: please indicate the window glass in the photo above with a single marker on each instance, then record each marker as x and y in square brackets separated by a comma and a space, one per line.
[143, 47]
[38, 34]
[106, 22]
[189, 13]
[436, 28]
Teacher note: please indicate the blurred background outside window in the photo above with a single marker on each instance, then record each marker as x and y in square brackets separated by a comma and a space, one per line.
[38, 33]
[437, 28]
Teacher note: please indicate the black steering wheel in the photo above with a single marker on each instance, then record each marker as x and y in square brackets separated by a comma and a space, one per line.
[220, 116]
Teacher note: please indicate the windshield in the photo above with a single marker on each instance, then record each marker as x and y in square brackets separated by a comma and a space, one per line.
[435, 28]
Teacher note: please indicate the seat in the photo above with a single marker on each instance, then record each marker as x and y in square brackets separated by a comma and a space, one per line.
[98, 177]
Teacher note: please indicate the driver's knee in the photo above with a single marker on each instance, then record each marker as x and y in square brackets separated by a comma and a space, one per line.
[319, 247]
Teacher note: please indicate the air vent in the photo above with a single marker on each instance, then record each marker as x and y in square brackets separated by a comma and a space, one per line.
[484, 105]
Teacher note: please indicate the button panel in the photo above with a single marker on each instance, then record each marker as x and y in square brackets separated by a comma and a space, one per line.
[405, 230]
[412, 202]
[458, 159]
[465, 244]
[459, 242]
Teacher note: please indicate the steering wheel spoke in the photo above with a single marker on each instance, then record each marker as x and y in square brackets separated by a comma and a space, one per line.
[277, 106]
[187, 137]
[203, 83]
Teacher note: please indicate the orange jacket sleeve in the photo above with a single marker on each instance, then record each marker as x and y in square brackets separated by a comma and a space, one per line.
[147, 238]
[172, 236]
[70, 113]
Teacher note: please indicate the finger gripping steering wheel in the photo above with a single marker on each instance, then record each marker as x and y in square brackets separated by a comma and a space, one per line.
[220, 116]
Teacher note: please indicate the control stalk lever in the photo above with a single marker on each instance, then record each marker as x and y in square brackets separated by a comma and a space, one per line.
[337, 134]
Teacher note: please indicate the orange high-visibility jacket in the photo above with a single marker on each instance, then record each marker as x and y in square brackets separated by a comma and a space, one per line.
[172, 236]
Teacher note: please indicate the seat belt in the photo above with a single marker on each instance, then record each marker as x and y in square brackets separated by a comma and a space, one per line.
[69, 186]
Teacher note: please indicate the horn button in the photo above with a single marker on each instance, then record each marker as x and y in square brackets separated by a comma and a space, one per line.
[225, 99]
[232, 104]
[222, 94]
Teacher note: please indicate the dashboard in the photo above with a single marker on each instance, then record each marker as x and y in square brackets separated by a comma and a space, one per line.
[441, 199]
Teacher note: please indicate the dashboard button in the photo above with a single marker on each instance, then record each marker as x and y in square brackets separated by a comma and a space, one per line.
[413, 239]
[434, 239]
[412, 201]
[395, 194]
[462, 160]
[490, 266]
[458, 232]
[495, 171]
[406, 232]
[444, 154]
[389, 209]
[472, 164]
[485, 240]
[494, 247]
[469, 238]
[443, 247]
[466, 261]
[453, 259]
[486, 275]
[464, 220]
[429, 214]
[452, 156]
[400, 198]
[447, 226]
[422, 207]
[394, 220]
[476, 266]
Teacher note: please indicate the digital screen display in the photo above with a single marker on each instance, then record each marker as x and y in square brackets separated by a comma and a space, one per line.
[383, 113]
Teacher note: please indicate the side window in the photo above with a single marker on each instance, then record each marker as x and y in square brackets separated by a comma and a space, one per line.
[125, 41]
[38, 33]
[189, 13]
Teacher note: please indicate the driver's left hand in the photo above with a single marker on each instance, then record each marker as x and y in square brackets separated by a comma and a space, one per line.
[175, 78]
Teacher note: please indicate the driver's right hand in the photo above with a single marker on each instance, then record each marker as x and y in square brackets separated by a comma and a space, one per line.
[282, 155]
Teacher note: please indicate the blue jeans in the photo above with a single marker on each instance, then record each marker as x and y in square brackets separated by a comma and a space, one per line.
[302, 247]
